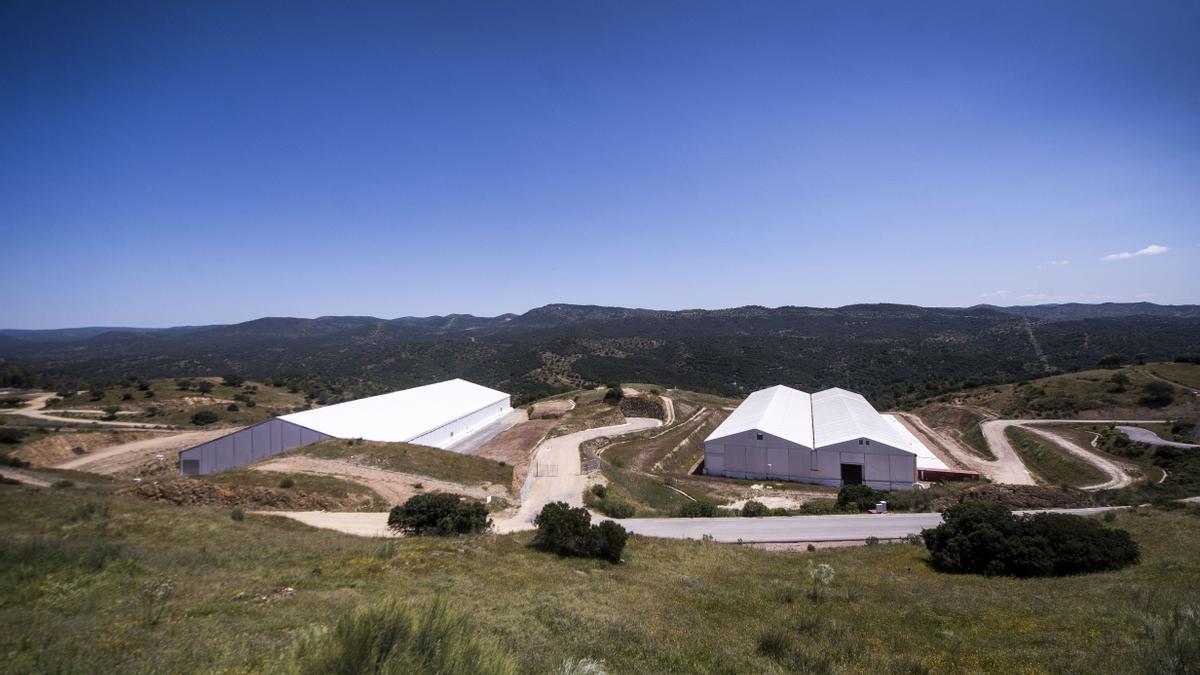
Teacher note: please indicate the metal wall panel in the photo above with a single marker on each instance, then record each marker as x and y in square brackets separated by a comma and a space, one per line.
[247, 445]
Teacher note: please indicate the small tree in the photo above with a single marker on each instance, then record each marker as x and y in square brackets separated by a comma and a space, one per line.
[569, 532]
[204, 417]
[860, 498]
[614, 395]
[204, 386]
[233, 380]
[439, 513]
[1119, 382]
[753, 509]
[1157, 394]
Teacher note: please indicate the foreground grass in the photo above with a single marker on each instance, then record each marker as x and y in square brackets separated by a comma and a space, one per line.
[417, 459]
[74, 566]
[1050, 463]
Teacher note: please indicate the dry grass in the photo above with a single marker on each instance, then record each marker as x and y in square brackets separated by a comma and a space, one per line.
[72, 563]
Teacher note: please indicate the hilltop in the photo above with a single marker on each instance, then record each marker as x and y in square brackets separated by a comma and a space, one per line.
[882, 350]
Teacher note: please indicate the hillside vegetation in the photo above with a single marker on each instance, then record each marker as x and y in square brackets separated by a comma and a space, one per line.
[893, 354]
[94, 583]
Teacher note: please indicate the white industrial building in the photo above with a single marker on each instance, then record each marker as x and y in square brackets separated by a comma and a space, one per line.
[833, 437]
[437, 415]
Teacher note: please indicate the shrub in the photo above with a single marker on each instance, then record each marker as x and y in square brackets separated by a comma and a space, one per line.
[204, 386]
[1157, 394]
[985, 538]
[439, 513]
[127, 397]
[753, 509]
[237, 514]
[569, 532]
[697, 509]
[204, 417]
[287, 483]
[614, 395]
[1171, 642]
[858, 498]
[600, 490]
[12, 436]
[63, 484]
[232, 407]
[388, 637]
[110, 412]
[616, 508]
[820, 578]
[233, 380]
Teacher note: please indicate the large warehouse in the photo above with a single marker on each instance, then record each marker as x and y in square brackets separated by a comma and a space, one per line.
[437, 415]
[833, 437]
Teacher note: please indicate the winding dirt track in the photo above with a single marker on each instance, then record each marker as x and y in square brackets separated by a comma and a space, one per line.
[1118, 474]
[34, 407]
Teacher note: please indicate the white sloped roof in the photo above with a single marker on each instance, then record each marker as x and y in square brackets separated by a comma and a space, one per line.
[780, 411]
[925, 457]
[841, 415]
[401, 415]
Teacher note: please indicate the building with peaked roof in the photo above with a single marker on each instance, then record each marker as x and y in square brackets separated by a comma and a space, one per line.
[438, 415]
[833, 437]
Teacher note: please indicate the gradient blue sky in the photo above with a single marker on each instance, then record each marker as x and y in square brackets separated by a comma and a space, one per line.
[167, 163]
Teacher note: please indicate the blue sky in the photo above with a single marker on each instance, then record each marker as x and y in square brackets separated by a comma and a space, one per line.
[200, 162]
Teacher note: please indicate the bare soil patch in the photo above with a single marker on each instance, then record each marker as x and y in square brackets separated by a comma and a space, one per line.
[515, 446]
[60, 447]
[550, 409]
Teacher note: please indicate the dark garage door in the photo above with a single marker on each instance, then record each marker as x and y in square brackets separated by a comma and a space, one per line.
[851, 474]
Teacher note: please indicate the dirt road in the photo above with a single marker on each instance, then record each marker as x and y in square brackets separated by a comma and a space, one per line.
[993, 432]
[22, 477]
[34, 409]
[669, 410]
[392, 486]
[132, 456]
[555, 472]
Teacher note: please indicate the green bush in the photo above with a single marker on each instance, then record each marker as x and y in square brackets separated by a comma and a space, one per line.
[237, 514]
[232, 380]
[616, 508]
[388, 637]
[569, 532]
[1157, 394]
[986, 538]
[600, 490]
[62, 484]
[12, 436]
[287, 483]
[860, 498]
[232, 407]
[614, 395]
[204, 417]
[697, 509]
[439, 513]
[753, 509]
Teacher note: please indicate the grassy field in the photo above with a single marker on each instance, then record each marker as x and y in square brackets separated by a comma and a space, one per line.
[79, 568]
[1187, 374]
[417, 459]
[1050, 463]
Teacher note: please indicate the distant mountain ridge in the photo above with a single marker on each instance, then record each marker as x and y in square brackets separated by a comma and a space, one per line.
[891, 353]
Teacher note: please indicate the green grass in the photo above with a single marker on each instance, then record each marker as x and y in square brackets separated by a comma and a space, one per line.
[974, 440]
[1187, 374]
[417, 459]
[1050, 463]
[72, 579]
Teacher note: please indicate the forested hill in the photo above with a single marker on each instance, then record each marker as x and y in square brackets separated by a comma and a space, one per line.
[891, 353]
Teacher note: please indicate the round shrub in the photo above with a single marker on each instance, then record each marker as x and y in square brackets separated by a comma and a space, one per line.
[287, 483]
[569, 532]
[204, 417]
[985, 538]
[754, 509]
[439, 513]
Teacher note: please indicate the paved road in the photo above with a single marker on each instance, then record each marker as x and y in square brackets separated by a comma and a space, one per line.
[1150, 438]
[748, 530]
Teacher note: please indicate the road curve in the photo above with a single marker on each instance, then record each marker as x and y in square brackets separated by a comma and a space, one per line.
[33, 409]
[1140, 435]
[993, 433]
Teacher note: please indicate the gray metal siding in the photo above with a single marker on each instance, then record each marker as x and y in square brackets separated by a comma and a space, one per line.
[248, 445]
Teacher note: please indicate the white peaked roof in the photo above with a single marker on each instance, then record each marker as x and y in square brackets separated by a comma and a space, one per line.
[780, 411]
[821, 419]
[401, 415]
[925, 457]
[840, 415]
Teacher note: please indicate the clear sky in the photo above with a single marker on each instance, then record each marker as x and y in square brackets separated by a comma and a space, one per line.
[167, 163]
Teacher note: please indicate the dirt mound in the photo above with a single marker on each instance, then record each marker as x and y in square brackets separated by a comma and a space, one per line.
[1017, 497]
[189, 492]
[640, 406]
[62, 446]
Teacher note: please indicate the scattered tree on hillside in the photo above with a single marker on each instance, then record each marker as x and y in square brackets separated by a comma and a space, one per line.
[204, 417]
[204, 386]
[1157, 394]
[439, 513]
[1120, 382]
[233, 380]
[1111, 361]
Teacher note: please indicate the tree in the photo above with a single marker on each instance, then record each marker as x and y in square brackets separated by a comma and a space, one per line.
[1157, 394]
[1119, 381]
[1111, 361]
[858, 498]
[569, 532]
[204, 386]
[439, 513]
[614, 395]
[753, 509]
[204, 417]
[233, 380]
